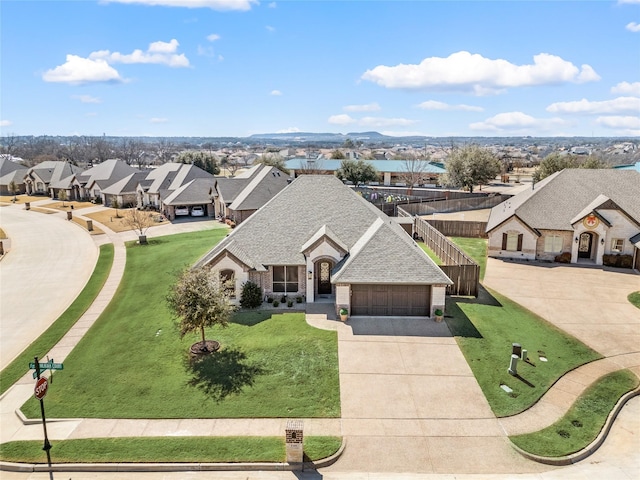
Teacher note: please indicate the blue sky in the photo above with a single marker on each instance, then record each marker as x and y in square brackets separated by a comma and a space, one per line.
[239, 67]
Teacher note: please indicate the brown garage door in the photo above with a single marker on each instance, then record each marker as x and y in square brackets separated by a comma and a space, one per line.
[390, 300]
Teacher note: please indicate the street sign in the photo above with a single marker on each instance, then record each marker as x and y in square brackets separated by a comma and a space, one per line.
[47, 365]
[41, 388]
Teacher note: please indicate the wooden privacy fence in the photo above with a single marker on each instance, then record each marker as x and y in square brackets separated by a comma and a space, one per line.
[456, 228]
[455, 205]
[458, 266]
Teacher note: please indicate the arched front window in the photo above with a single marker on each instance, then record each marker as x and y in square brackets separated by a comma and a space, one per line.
[228, 277]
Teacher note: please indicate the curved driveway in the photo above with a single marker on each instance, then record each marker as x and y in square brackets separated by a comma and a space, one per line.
[49, 263]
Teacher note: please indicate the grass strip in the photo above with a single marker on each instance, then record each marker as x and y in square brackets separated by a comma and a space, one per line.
[269, 365]
[485, 329]
[476, 248]
[430, 253]
[583, 422]
[39, 347]
[634, 298]
[166, 449]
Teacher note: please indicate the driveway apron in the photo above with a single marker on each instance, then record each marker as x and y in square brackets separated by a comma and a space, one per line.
[410, 403]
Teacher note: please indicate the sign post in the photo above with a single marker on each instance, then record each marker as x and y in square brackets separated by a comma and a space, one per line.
[40, 391]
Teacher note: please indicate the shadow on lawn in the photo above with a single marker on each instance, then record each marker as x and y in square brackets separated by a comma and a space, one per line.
[484, 298]
[222, 373]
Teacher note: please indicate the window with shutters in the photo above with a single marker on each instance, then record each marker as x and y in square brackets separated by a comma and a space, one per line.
[512, 241]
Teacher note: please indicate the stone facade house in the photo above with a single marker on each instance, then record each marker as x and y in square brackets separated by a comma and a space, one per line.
[576, 215]
[319, 240]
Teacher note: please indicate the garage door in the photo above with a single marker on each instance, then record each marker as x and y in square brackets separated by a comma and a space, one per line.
[390, 300]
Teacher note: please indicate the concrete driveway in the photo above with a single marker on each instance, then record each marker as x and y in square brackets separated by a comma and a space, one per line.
[587, 302]
[49, 263]
[410, 403]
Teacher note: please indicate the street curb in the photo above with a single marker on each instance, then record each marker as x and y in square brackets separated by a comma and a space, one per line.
[589, 449]
[171, 467]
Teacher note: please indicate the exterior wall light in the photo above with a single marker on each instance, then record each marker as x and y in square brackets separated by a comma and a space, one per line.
[575, 239]
[602, 241]
[309, 275]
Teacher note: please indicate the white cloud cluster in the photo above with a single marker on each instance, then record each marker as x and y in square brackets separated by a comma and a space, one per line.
[213, 37]
[87, 98]
[633, 27]
[584, 106]
[369, 107]
[626, 88]
[474, 73]
[97, 67]
[221, 5]
[276, 93]
[435, 105]
[5, 123]
[517, 123]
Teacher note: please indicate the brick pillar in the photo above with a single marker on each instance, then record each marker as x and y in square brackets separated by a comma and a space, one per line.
[294, 439]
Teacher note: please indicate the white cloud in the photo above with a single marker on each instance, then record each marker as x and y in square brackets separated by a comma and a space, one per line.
[289, 130]
[517, 123]
[77, 70]
[475, 73]
[435, 105]
[272, 5]
[620, 122]
[342, 119]
[163, 53]
[158, 120]
[87, 98]
[633, 27]
[626, 88]
[618, 105]
[213, 37]
[221, 5]
[369, 107]
[5, 123]
[276, 93]
[270, 29]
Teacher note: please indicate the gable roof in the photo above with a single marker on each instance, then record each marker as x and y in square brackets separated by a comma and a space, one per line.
[556, 202]
[263, 185]
[277, 233]
[108, 172]
[195, 192]
[171, 176]
[127, 185]
[57, 174]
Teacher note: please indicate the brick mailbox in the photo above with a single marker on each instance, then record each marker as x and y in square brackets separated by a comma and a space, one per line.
[293, 440]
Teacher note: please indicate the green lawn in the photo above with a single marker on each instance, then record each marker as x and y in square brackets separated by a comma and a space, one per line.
[476, 248]
[430, 252]
[583, 422]
[634, 298]
[16, 369]
[132, 363]
[167, 449]
[485, 329]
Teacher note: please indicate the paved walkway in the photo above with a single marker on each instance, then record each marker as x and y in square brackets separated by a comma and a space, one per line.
[409, 401]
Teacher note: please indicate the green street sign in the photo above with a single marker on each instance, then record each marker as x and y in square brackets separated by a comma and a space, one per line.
[46, 366]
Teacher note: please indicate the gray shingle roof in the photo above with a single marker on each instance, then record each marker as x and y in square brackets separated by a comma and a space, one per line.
[195, 192]
[264, 184]
[555, 202]
[275, 234]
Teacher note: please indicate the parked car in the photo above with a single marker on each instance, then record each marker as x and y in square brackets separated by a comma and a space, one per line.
[197, 212]
[182, 211]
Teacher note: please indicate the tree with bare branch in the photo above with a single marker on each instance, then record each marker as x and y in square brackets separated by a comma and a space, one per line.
[139, 221]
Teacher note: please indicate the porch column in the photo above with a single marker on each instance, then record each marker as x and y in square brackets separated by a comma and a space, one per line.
[310, 272]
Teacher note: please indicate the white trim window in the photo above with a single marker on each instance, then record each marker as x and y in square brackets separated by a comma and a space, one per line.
[617, 245]
[285, 279]
[553, 244]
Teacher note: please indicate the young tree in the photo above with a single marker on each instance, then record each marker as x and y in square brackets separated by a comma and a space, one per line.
[13, 188]
[337, 155]
[357, 171]
[200, 299]
[139, 221]
[203, 160]
[470, 166]
[415, 172]
[62, 196]
[115, 204]
[554, 163]
[274, 160]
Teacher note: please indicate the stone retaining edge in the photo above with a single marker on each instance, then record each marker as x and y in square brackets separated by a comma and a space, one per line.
[589, 449]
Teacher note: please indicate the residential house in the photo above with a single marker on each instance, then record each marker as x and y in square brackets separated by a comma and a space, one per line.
[11, 172]
[238, 197]
[320, 240]
[391, 171]
[123, 193]
[49, 177]
[576, 215]
[90, 183]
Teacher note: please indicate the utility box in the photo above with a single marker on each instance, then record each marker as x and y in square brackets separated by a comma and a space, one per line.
[516, 349]
[294, 437]
[90, 225]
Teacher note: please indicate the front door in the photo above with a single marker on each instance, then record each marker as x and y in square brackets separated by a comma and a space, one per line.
[584, 245]
[324, 277]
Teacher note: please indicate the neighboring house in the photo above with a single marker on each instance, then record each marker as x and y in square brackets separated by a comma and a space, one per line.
[124, 191]
[319, 239]
[239, 197]
[90, 183]
[48, 178]
[11, 172]
[582, 213]
[161, 182]
[391, 171]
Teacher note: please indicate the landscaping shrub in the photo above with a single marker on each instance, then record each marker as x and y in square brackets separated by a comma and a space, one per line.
[251, 296]
[564, 257]
[276, 303]
[619, 261]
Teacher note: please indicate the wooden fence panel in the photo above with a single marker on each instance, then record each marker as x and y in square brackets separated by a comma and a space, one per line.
[456, 205]
[455, 228]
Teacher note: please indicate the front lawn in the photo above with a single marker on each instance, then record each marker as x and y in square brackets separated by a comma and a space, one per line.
[634, 298]
[583, 422]
[132, 363]
[166, 449]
